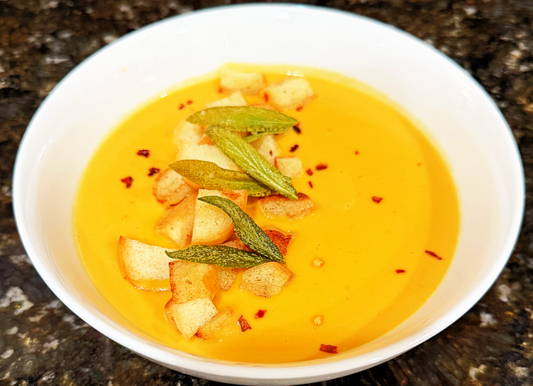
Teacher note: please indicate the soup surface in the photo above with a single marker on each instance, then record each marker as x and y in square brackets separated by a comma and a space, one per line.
[377, 271]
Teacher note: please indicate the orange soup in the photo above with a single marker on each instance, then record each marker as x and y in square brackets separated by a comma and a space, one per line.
[385, 225]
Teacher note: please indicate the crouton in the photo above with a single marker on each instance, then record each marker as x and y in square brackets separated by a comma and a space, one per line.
[190, 144]
[216, 327]
[235, 99]
[226, 277]
[190, 316]
[290, 94]
[289, 166]
[177, 222]
[281, 206]
[279, 239]
[144, 266]
[189, 281]
[239, 81]
[211, 224]
[267, 147]
[170, 188]
[266, 279]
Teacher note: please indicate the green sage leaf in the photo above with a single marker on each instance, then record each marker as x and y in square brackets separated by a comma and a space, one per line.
[247, 230]
[220, 255]
[244, 118]
[209, 175]
[250, 161]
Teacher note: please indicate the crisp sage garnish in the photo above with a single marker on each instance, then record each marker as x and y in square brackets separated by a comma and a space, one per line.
[220, 255]
[247, 230]
[209, 175]
[249, 160]
[244, 118]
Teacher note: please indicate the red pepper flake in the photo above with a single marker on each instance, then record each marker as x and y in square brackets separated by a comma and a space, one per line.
[433, 254]
[220, 90]
[299, 108]
[189, 102]
[328, 348]
[260, 314]
[266, 97]
[144, 153]
[244, 324]
[181, 106]
[356, 152]
[309, 172]
[400, 271]
[419, 164]
[153, 171]
[321, 167]
[294, 148]
[128, 181]
[377, 200]
[310, 184]
[297, 129]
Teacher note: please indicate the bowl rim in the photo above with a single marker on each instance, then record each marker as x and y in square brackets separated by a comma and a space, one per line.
[260, 371]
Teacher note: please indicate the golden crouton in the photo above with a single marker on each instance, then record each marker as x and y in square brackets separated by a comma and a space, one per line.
[289, 94]
[170, 188]
[211, 224]
[216, 327]
[267, 147]
[144, 266]
[240, 81]
[280, 239]
[190, 144]
[235, 99]
[265, 279]
[177, 222]
[189, 281]
[281, 206]
[226, 277]
[190, 316]
[289, 166]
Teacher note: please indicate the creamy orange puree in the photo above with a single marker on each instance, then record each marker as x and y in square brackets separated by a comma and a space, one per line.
[371, 149]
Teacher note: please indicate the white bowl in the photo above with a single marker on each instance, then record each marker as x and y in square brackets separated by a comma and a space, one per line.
[463, 121]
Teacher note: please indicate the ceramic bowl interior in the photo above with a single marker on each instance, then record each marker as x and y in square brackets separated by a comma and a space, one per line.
[459, 116]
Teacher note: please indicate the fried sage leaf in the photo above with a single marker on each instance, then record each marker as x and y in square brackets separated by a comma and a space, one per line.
[220, 255]
[247, 230]
[209, 175]
[249, 160]
[244, 118]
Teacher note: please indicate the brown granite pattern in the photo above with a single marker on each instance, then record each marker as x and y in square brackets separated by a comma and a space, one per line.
[43, 343]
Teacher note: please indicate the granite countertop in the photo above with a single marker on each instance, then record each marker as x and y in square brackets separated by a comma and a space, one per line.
[44, 343]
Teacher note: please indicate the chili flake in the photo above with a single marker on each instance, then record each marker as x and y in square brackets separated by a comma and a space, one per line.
[153, 171]
[266, 97]
[309, 172]
[299, 108]
[310, 184]
[189, 102]
[260, 314]
[377, 200]
[297, 129]
[400, 271]
[294, 148]
[244, 324]
[328, 348]
[321, 167]
[128, 181]
[356, 152]
[433, 254]
[144, 153]
[181, 106]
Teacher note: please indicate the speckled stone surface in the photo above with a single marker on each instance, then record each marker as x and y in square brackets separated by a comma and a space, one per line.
[44, 343]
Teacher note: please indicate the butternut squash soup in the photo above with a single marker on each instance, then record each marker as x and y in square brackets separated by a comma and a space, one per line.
[366, 243]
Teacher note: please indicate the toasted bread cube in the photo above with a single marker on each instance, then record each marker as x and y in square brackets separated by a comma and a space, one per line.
[216, 327]
[177, 222]
[289, 94]
[267, 147]
[189, 281]
[190, 144]
[226, 277]
[235, 99]
[282, 206]
[144, 266]
[190, 316]
[266, 279]
[211, 224]
[170, 188]
[239, 81]
[289, 166]
[280, 239]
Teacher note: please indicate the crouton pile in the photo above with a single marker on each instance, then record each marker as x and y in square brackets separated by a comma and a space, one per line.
[188, 221]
